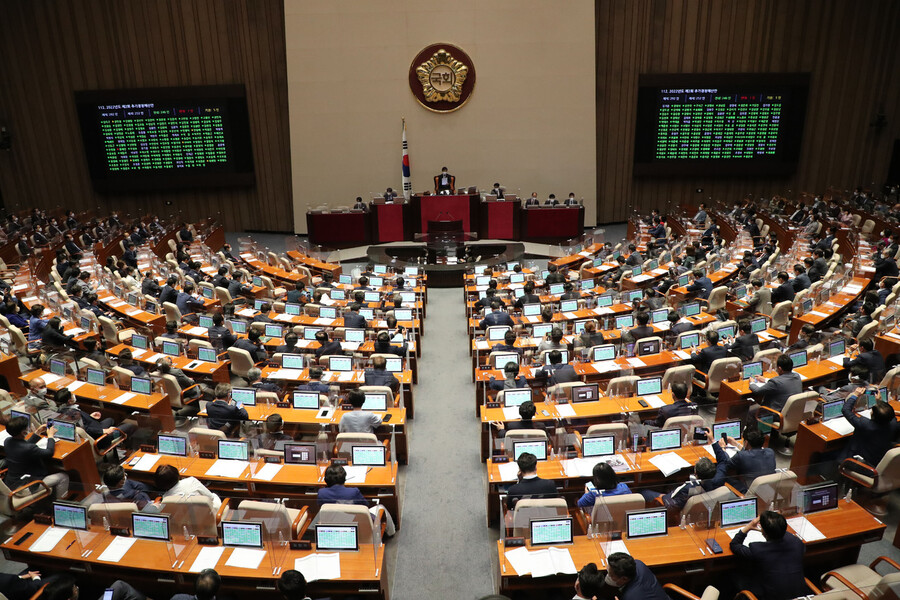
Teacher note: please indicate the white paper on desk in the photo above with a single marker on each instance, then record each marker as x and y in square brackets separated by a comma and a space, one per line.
[669, 463]
[682, 354]
[805, 530]
[482, 345]
[3, 437]
[605, 366]
[198, 330]
[508, 471]
[729, 450]
[565, 410]
[304, 343]
[282, 317]
[138, 352]
[293, 374]
[764, 335]
[227, 468]
[49, 378]
[208, 558]
[616, 546]
[117, 549]
[48, 540]
[346, 376]
[552, 561]
[326, 300]
[636, 362]
[319, 566]
[641, 277]
[350, 346]
[146, 462]
[323, 321]
[663, 325]
[570, 315]
[802, 376]
[356, 474]
[603, 310]
[74, 331]
[654, 401]
[839, 425]
[155, 357]
[75, 385]
[246, 312]
[510, 413]
[245, 558]
[571, 468]
[268, 472]
[133, 311]
[123, 398]
[42, 443]
[818, 314]
[837, 360]
[30, 299]
[752, 536]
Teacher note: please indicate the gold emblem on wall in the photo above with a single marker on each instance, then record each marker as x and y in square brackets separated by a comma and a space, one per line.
[442, 77]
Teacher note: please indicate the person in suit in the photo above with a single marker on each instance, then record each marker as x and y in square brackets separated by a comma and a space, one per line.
[784, 291]
[254, 380]
[678, 324]
[508, 344]
[129, 257]
[819, 266]
[551, 200]
[389, 196]
[588, 582]
[358, 420]
[186, 301]
[885, 265]
[383, 345]
[828, 241]
[496, 317]
[497, 191]
[22, 586]
[869, 361]
[353, 319]
[772, 569]
[553, 343]
[335, 492]
[711, 231]
[801, 280]
[557, 371]
[360, 205]
[220, 279]
[774, 392]
[205, 587]
[490, 295]
[315, 382]
[634, 580]
[529, 484]
[707, 477]
[554, 276]
[700, 217]
[511, 378]
[124, 490]
[219, 335]
[863, 318]
[681, 407]
[760, 296]
[149, 286]
[590, 336]
[751, 460]
[704, 358]
[529, 297]
[634, 257]
[533, 200]
[571, 200]
[25, 459]
[527, 410]
[252, 345]
[222, 413]
[658, 230]
[273, 434]
[445, 183]
[872, 437]
[700, 285]
[327, 347]
[379, 375]
[569, 292]
[745, 345]
[643, 329]
[297, 295]
[54, 339]
[169, 293]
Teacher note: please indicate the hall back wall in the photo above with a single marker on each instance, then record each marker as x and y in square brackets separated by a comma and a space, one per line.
[49, 49]
[850, 48]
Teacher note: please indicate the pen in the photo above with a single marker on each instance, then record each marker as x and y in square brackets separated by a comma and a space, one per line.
[70, 544]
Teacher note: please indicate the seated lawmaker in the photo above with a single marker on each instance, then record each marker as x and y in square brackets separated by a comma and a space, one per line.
[121, 489]
[383, 345]
[707, 477]
[169, 483]
[872, 437]
[526, 420]
[529, 484]
[681, 407]
[774, 568]
[751, 460]
[745, 345]
[25, 460]
[508, 344]
[557, 371]
[603, 483]
[632, 578]
[274, 433]
[335, 492]
[704, 358]
[379, 375]
[869, 361]
[358, 420]
[773, 393]
[223, 413]
[700, 285]
[642, 330]
[512, 379]
[496, 317]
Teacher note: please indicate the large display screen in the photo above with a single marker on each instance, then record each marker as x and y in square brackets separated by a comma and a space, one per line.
[166, 138]
[719, 124]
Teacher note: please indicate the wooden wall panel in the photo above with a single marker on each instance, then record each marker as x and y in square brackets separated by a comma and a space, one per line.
[846, 45]
[49, 49]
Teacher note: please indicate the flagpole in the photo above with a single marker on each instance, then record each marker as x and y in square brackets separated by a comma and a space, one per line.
[404, 165]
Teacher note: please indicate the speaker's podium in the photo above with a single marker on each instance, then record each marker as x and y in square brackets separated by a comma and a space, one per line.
[390, 220]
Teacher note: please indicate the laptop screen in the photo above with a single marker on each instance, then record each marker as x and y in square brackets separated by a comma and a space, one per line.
[541, 329]
[586, 393]
[393, 364]
[599, 445]
[649, 386]
[738, 512]
[691, 309]
[245, 396]
[372, 456]
[233, 450]
[171, 348]
[515, 397]
[86, 323]
[495, 334]
[206, 354]
[242, 534]
[207, 292]
[659, 315]
[604, 352]
[151, 307]
[96, 376]
[624, 321]
[327, 312]
[140, 385]
[547, 532]
[689, 340]
[730, 428]
[568, 305]
[355, 335]
[292, 309]
[171, 445]
[274, 331]
[644, 523]
[292, 361]
[820, 497]
[340, 363]
[139, 341]
[376, 401]
[604, 301]
[646, 347]
[665, 439]
[306, 400]
[536, 447]
[635, 271]
[205, 321]
[798, 358]
[150, 527]
[337, 537]
[531, 310]
[752, 369]
[683, 280]
[70, 515]
[837, 348]
[832, 410]
[58, 367]
[299, 454]
[757, 325]
[504, 358]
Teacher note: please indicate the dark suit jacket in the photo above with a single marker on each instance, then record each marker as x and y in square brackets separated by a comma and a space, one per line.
[294, 295]
[870, 440]
[355, 320]
[783, 292]
[801, 282]
[19, 589]
[872, 361]
[534, 487]
[339, 494]
[701, 287]
[638, 333]
[219, 414]
[679, 408]
[775, 392]
[332, 347]
[382, 377]
[748, 464]
[561, 373]
[168, 294]
[496, 318]
[885, 267]
[745, 346]
[705, 357]
[528, 299]
[25, 460]
[256, 353]
[777, 564]
[644, 586]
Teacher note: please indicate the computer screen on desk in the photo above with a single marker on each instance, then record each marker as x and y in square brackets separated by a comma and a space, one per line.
[503, 359]
[632, 295]
[691, 309]
[70, 515]
[309, 333]
[207, 354]
[64, 429]
[376, 401]
[547, 532]
[837, 348]
[139, 341]
[649, 386]
[624, 321]
[273, 331]
[541, 329]
[372, 296]
[393, 364]
[205, 321]
[752, 369]
[340, 363]
[604, 301]
[536, 447]
[798, 358]
[531, 310]
[564, 353]
[665, 439]
[292, 361]
[588, 392]
[832, 410]
[659, 315]
[683, 280]
[150, 527]
[819, 497]
[369, 455]
[515, 397]
[337, 294]
[245, 396]
[604, 352]
[690, 340]
[645, 523]
[557, 288]
[758, 325]
[337, 537]
[598, 445]
[737, 512]
[568, 305]
[299, 454]
[357, 336]
[647, 347]
[238, 326]
[308, 400]
[171, 445]
[517, 278]
[58, 367]
[495, 334]
[292, 309]
[730, 428]
[328, 312]
[726, 332]
[233, 450]
[171, 348]
[96, 376]
[587, 284]
[242, 534]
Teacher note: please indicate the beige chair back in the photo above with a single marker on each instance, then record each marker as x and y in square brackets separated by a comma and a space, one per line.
[685, 423]
[717, 298]
[223, 296]
[868, 331]
[611, 510]
[536, 508]
[241, 361]
[11, 504]
[207, 439]
[118, 514]
[172, 312]
[195, 511]
[781, 315]
[888, 472]
[703, 505]
[719, 370]
[683, 374]
[379, 389]
[333, 514]
[773, 490]
[620, 430]
[622, 386]
[344, 441]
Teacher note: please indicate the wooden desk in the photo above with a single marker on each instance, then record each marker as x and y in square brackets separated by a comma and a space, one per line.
[9, 368]
[314, 264]
[148, 565]
[574, 260]
[77, 459]
[277, 273]
[366, 348]
[132, 314]
[834, 307]
[216, 371]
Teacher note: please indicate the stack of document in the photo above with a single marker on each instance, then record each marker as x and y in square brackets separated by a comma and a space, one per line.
[752, 536]
[541, 563]
[319, 566]
[805, 530]
[293, 374]
[839, 425]
[227, 468]
[654, 401]
[117, 549]
[245, 558]
[605, 366]
[669, 463]
[146, 462]
[508, 471]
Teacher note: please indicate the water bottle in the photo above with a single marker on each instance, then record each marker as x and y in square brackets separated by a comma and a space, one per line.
[186, 533]
[683, 524]
[849, 496]
[105, 523]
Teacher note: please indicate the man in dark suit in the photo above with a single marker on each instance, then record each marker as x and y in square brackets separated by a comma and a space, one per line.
[129, 257]
[315, 382]
[220, 279]
[571, 200]
[772, 569]
[533, 200]
[274, 433]
[634, 257]
[634, 580]
[336, 492]
[222, 413]
[497, 191]
[872, 437]
[869, 361]
[359, 204]
[496, 317]
[704, 358]
[554, 276]
[252, 345]
[750, 462]
[801, 280]
[149, 286]
[784, 291]
[383, 344]
[678, 324]
[711, 231]
[529, 484]
[643, 329]
[327, 347]
[745, 345]
[551, 200]
[25, 459]
[681, 407]
[700, 285]
[529, 297]
[445, 183]
[169, 293]
[353, 319]
[526, 420]
[885, 265]
[774, 392]
[186, 302]
[379, 375]
[219, 335]
[862, 319]
[389, 195]
[829, 239]
[557, 371]
[819, 266]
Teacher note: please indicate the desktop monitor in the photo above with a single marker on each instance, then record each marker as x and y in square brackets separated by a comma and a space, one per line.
[715, 267]
[141, 385]
[482, 280]
[737, 512]
[691, 309]
[598, 445]
[139, 341]
[551, 532]
[345, 279]
[245, 396]
[340, 363]
[649, 386]
[568, 306]
[337, 294]
[171, 445]
[357, 336]
[150, 527]
[645, 347]
[327, 312]
[70, 515]
[726, 332]
[403, 314]
[373, 455]
[117, 290]
[604, 352]
[408, 296]
[730, 428]
[837, 348]
[516, 396]
[683, 280]
[541, 329]
[659, 315]
[587, 284]
[632, 295]
[798, 358]
[689, 340]
[308, 400]
[752, 369]
[207, 354]
[96, 376]
[207, 292]
[292, 361]
[309, 333]
[589, 392]
[132, 299]
[290, 308]
[233, 450]
[653, 264]
[380, 269]
[531, 310]
[819, 497]
[58, 367]
[256, 281]
[372, 296]
[565, 357]
[604, 301]
[578, 327]
[238, 326]
[375, 401]
[376, 282]
[806, 305]
[517, 278]
[624, 321]
[832, 410]
[557, 289]
[299, 454]
[645, 523]
[393, 364]
[740, 291]
[337, 537]
[151, 307]
[635, 271]
[242, 534]
[18, 413]
[273, 331]
[501, 359]
[171, 348]
[411, 271]
[757, 325]
[536, 447]
[665, 439]
[479, 269]
[205, 321]
[86, 323]
[367, 313]
[496, 333]
[257, 304]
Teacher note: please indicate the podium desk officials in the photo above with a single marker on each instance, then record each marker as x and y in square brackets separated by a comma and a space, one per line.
[445, 183]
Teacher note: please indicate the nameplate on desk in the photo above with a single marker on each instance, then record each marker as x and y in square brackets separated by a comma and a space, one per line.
[484, 367]
[148, 449]
[571, 454]
[499, 458]
[283, 404]
[301, 545]
[204, 540]
[346, 407]
[513, 542]
[492, 404]
[206, 454]
[273, 459]
[43, 519]
[122, 531]
[339, 462]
